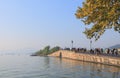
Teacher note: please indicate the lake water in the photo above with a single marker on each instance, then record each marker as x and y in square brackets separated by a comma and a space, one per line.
[14, 66]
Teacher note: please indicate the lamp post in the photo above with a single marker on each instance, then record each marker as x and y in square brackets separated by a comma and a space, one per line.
[72, 43]
[90, 44]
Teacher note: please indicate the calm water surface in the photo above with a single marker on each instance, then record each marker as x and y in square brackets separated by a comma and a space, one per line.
[50, 67]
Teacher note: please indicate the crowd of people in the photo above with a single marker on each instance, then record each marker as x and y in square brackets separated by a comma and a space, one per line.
[98, 51]
[105, 51]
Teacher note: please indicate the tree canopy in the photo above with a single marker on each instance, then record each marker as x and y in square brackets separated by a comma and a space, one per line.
[102, 14]
[47, 50]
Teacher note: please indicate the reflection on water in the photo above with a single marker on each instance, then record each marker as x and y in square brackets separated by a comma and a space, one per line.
[89, 70]
[50, 67]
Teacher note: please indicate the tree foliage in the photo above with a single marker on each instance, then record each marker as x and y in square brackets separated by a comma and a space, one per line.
[47, 50]
[102, 14]
[54, 49]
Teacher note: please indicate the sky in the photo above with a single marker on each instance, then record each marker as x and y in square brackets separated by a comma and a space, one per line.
[34, 24]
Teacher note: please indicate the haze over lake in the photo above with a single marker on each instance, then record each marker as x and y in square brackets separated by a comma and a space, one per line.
[26, 26]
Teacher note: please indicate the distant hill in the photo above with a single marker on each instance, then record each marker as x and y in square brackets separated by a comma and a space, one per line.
[115, 46]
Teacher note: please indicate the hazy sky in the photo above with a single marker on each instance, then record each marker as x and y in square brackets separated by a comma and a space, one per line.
[33, 24]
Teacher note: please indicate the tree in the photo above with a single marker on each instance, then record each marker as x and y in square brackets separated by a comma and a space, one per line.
[46, 50]
[102, 14]
[54, 49]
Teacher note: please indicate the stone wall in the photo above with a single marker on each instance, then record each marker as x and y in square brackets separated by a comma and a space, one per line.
[87, 57]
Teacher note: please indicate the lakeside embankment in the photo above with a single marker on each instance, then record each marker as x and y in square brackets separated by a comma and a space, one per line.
[115, 61]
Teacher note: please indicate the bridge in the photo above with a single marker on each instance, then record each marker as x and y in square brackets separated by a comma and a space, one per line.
[115, 61]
